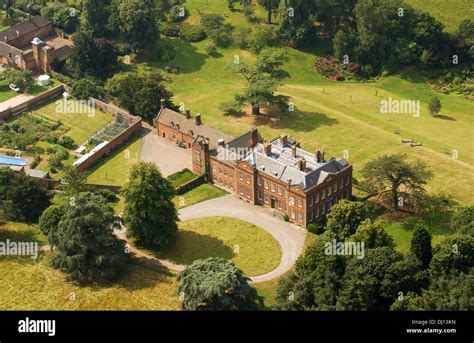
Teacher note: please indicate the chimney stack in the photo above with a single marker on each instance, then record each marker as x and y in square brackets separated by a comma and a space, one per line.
[322, 157]
[255, 138]
[302, 164]
[198, 119]
[293, 151]
[318, 156]
[283, 139]
[162, 103]
[268, 149]
[188, 113]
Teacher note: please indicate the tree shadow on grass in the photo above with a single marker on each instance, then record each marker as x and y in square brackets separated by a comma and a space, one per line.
[444, 117]
[191, 246]
[186, 56]
[299, 121]
[26, 235]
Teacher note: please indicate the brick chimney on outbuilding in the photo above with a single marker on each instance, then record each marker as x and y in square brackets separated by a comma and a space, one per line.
[162, 103]
[198, 119]
[188, 113]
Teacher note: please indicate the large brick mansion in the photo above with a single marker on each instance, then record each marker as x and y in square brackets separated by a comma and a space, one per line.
[276, 174]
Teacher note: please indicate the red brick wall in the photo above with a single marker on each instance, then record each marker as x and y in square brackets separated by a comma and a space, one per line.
[110, 146]
[173, 135]
[222, 175]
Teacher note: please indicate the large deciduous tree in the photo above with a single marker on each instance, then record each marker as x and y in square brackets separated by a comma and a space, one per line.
[453, 255]
[149, 214]
[24, 199]
[87, 248]
[345, 217]
[372, 234]
[139, 93]
[388, 173]
[95, 16]
[214, 284]
[263, 79]
[91, 57]
[136, 21]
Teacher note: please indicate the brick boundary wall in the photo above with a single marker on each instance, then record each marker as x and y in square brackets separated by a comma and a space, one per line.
[197, 181]
[37, 100]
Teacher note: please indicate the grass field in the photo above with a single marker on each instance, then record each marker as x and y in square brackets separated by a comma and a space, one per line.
[28, 285]
[200, 193]
[252, 249]
[115, 168]
[180, 178]
[82, 125]
[21, 232]
[5, 92]
[449, 12]
[346, 116]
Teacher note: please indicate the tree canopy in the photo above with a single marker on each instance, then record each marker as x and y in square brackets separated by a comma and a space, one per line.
[214, 284]
[87, 248]
[149, 214]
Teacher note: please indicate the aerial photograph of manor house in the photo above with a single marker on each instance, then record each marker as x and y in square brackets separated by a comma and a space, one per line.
[237, 155]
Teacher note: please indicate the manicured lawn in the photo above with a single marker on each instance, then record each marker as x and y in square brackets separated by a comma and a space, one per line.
[28, 285]
[402, 232]
[81, 125]
[200, 193]
[5, 92]
[449, 12]
[115, 168]
[180, 178]
[36, 89]
[21, 232]
[251, 249]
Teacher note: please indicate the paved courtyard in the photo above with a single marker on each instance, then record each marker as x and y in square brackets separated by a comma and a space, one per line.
[166, 155]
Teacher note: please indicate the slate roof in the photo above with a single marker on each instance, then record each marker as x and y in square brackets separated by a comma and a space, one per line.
[189, 127]
[281, 165]
[20, 29]
[5, 49]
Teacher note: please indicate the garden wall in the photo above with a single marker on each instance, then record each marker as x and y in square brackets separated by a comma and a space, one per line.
[191, 185]
[135, 127]
[38, 100]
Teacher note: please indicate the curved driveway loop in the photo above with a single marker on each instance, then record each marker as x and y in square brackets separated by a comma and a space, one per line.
[290, 237]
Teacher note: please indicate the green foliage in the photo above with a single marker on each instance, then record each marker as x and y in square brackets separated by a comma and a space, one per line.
[191, 33]
[263, 37]
[85, 88]
[372, 234]
[373, 283]
[316, 228]
[434, 105]
[23, 79]
[149, 213]
[446, 293]
[463, 221]
[389, 172]
[95, 16]
[90, 57]
[241, 37]
[454, 254]
[345, 217]
[315, 282]
[136, 21]
[62, 16]
[24, 200]
[50, 219]
[178, 13]
[66, 142]
[139, 93]
[216, 29]
[87, 248]
[263, 80]
[73, 182]
[214, 284]
[421, 246]
[170, 29]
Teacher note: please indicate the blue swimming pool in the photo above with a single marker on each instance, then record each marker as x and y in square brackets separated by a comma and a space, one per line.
[12, 161]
